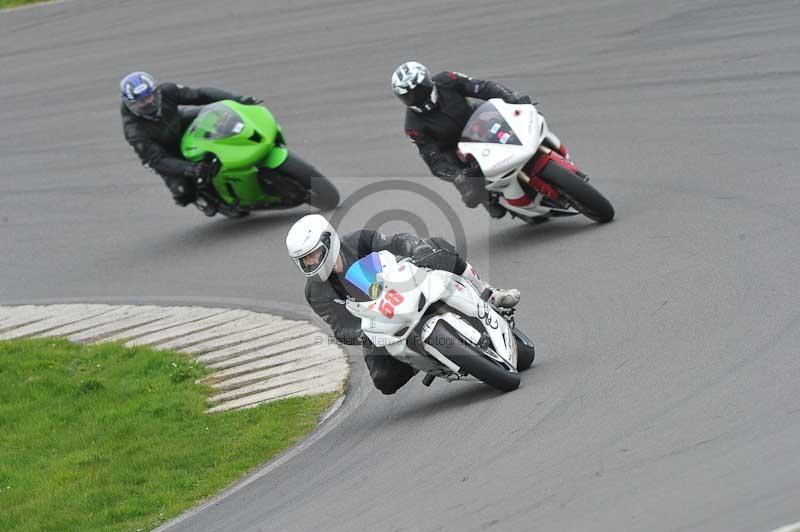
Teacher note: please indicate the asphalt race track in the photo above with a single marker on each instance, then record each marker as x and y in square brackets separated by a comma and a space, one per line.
[665, 392]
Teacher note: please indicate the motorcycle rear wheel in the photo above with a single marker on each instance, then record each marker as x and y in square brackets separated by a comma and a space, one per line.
[235, 215]
[322, 194]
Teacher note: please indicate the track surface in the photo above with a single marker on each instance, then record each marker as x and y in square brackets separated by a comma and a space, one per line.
[665, 392]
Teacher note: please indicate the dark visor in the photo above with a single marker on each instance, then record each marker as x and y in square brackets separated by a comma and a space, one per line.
[147, 105]
[419, 95]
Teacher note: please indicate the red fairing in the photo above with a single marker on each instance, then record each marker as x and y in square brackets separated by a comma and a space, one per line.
[555, 157]
[521, 201]
[538, 165]
[544, 188]
[562, 150]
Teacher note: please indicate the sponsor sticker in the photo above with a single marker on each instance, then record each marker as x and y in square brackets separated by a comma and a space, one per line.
[375, 290]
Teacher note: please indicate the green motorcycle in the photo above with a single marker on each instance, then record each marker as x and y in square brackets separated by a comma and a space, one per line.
[257, 170]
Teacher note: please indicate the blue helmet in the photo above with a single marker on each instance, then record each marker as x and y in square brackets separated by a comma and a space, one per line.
[141, 95]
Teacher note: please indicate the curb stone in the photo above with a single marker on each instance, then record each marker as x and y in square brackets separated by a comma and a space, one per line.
[255, 357]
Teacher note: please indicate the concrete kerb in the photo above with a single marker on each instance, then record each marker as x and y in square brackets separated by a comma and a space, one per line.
[184, 322]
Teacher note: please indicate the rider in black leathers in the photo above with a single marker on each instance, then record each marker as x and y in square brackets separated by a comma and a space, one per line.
[438, 110]
[327, 296]
[156, 135]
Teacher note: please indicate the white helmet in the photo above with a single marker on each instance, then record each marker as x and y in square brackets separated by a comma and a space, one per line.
[313, 245]
[412, 83]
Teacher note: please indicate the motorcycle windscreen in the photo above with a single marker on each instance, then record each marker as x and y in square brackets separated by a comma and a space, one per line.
[363, 274]
[487, 125]
[216, 121]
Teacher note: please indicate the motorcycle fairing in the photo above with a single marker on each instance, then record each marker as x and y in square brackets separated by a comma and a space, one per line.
[420, 288]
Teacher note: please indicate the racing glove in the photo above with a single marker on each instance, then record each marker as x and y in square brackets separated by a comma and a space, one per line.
[205, 171]
[182, 191]
[517, 98]
[249, 100]
[422, 253]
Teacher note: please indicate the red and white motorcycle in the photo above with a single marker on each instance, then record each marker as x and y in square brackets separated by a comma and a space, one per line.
[436, 322]
[527, 165]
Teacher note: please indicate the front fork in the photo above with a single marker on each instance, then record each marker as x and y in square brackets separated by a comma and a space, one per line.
[518, 194]
[544, 156]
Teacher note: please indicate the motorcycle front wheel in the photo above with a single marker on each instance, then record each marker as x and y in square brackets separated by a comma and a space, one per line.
[526, 352]
[581, 195]
[471, 359]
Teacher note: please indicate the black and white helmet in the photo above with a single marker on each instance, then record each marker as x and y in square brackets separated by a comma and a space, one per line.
[412, 83]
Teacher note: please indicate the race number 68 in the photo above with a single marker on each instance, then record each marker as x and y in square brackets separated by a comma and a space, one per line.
[390, 300]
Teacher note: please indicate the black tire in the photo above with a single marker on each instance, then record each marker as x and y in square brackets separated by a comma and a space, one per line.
[231, 213]
[525, 351]
[322, 194]
[235, 215]
[583, 196]
[471, 359]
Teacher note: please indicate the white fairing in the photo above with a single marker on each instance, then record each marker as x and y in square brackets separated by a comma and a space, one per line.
[414, 283]
[502, 163]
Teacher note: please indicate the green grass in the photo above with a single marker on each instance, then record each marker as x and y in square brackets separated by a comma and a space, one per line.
[15, 3]
[105, 437]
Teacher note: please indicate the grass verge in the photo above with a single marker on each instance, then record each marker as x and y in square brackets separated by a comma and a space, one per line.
[16, 3]
[104, 437]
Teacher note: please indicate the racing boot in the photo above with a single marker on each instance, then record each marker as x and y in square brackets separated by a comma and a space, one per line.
[473, 192]
[505, 297]
[472, 189]
[499, 297]
[494, 208]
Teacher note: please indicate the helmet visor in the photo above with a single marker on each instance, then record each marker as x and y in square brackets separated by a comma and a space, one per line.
[312, 262]
[147, 106]
[419, 96]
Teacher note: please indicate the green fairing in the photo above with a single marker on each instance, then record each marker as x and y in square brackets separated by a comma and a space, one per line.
[243, 138]
[276, 157]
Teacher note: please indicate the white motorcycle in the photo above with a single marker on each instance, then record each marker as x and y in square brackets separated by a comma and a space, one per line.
[527, 166]
[436, 322]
